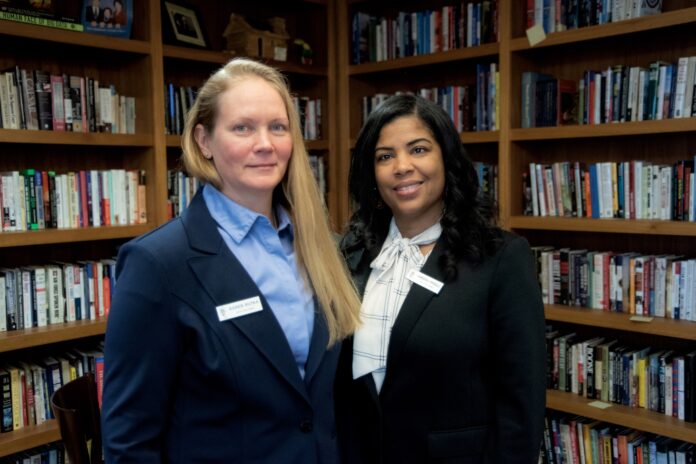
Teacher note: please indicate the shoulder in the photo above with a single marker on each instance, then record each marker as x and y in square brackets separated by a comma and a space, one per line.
[164, 243]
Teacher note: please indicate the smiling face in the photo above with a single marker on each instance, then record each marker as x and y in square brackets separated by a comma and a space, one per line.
[250, 144]
[410, 174]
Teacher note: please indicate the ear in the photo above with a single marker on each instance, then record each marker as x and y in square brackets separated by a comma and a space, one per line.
[201, 137]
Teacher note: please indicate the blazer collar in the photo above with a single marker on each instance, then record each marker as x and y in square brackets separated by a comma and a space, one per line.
[225, 280]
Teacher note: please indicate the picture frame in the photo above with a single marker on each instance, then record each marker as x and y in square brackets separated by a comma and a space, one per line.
[108, 17]
[184, 24]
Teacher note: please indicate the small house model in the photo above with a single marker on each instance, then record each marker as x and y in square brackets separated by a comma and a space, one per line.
[246, 40]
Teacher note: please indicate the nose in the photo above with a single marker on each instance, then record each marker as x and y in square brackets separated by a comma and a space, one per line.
[402, 165]
[263, 141]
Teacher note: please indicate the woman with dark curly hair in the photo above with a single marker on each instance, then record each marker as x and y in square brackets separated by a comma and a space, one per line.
[449, 364]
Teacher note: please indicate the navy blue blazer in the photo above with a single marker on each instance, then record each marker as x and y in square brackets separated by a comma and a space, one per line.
[181, 386]
[465, 379]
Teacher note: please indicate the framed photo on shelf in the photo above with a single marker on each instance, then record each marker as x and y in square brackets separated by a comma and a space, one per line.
[185, 25]
[109, 17]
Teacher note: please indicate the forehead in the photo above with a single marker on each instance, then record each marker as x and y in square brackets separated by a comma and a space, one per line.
[404, 129]
[250, 94]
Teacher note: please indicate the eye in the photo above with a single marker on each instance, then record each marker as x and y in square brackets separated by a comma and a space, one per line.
[241, 128]
[279, 128]
[419, 150]
[384, 156]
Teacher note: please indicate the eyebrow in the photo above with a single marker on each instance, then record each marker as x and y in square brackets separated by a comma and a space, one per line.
[411, 143]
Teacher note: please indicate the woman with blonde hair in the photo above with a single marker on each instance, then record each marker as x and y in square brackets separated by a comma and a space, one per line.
[226, 322]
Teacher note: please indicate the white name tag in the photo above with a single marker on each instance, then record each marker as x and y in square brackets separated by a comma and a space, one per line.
[425, 281]
[239, 308]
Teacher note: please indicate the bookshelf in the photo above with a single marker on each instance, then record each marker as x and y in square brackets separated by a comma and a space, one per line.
[564, 55]
[138, 67]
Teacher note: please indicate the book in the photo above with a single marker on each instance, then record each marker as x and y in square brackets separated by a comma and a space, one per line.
[40, 21]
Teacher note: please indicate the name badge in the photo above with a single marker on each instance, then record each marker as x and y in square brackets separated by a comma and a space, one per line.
[239, 308]
[424, 281]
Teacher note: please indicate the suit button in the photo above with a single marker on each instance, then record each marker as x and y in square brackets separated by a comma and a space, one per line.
[306, 426]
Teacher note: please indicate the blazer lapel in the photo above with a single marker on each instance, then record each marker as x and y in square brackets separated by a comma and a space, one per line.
[224, 278]
[415, 303]
[317, 346]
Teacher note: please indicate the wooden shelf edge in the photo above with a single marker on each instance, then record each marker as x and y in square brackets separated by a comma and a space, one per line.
[29, 437]
[459, 54]
[173, 141]
[611, 320]
[637, 418]
[222, 57]
[321, 144]
[480, 137]
[49, 236]
[74, 138]
[83, 39]
[615, 226]
[665, 126]
[630, 26]
[37, 336]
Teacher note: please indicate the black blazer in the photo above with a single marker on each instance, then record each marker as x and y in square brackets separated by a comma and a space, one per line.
[465, 379]
[182, 386]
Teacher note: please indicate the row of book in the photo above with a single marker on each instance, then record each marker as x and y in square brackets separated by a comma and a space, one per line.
[36, 200]
[180, 190]
[177, 101]
[310, 113]
[575, 439]
[471, 107]
[547, 101]
[488, 179]
[27, 386]
[50, 453]
[561, 15]
[619, 93]
[609, 370]
[39, 100]
[632, 283]
[37, 296]
[465, 24]
[633, 189]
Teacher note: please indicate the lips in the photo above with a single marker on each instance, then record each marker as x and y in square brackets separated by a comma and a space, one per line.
[408, 188]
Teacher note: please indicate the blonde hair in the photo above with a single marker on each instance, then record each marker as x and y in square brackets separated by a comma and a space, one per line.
[314, 245]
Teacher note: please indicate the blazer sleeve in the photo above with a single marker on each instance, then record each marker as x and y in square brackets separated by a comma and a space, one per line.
[142, 351]
[517, 332]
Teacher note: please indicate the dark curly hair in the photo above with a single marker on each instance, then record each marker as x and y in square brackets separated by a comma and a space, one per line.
[469, 229]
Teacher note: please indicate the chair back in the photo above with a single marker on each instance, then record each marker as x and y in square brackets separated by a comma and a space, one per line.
[76, 409]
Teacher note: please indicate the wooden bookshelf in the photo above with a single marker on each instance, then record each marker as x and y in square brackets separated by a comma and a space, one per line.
[566, 55]
[637, 418]
[139, 67]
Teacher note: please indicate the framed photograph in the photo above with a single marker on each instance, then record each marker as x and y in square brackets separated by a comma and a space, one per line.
[109, 17]
[185, 26]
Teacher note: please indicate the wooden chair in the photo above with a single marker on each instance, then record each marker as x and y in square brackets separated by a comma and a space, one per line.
[76, 409]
